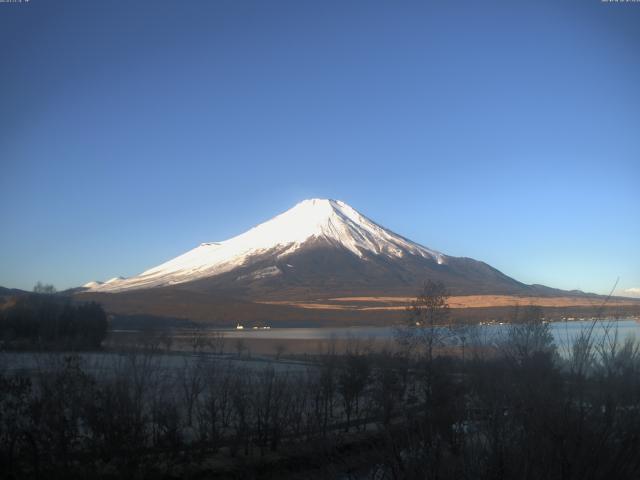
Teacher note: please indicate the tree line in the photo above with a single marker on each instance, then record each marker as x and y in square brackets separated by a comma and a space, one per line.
[44, 319]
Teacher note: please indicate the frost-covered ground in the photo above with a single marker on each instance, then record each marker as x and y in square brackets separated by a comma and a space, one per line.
[105, 362]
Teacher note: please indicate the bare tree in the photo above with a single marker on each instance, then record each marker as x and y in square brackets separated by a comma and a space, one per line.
[217, 342]
[192, 384]
[214, 408]
[280, 348]
[198, 341]
[167, 340]
[352, 381]
[240, 346]
[43, 288]
[427, 321]
[389, 385]
[240, 399]
[327, 380]
[528, 334]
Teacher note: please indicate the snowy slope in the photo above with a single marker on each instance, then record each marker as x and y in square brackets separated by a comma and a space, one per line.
[310, 220]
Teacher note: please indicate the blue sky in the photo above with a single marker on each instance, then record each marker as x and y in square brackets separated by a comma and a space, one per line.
[504, 131]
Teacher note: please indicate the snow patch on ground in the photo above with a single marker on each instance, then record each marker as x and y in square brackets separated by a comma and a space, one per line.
[262, 273]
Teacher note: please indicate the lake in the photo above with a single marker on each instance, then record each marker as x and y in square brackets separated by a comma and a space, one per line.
[562, 331]
[314, 340]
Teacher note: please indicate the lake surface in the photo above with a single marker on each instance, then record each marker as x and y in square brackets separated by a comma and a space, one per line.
[564, 334]
[560, 330]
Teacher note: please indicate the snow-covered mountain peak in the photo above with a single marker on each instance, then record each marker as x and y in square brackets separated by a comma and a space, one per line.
[330, 221]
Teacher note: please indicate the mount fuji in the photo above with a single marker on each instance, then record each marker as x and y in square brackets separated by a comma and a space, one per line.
[319, 243]
[293, 266]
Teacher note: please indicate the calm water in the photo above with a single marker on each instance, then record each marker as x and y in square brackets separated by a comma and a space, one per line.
[562, 331]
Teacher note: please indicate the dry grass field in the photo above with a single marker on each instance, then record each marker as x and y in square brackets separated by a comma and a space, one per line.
[466, 301]
[347, 310]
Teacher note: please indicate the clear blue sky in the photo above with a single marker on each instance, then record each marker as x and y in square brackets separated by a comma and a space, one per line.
[505, 131]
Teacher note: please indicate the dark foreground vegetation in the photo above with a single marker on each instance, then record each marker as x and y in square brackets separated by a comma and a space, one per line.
[515, 407]
[46, 320]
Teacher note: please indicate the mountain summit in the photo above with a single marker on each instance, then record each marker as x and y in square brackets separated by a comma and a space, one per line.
[310, 221]
[317, 249]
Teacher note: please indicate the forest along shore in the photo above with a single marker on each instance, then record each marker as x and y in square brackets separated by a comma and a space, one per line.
[514, 405]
